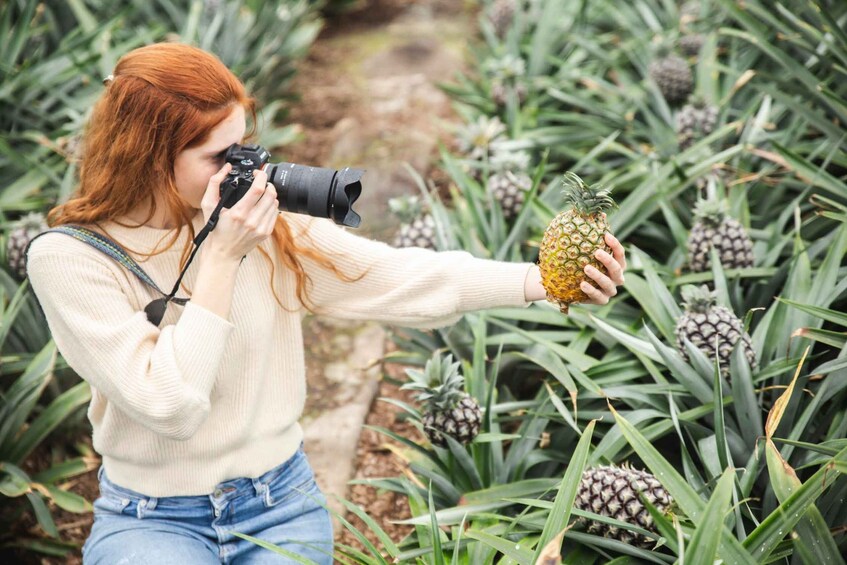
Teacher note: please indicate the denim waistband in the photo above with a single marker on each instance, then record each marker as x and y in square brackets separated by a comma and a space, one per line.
[229, 489]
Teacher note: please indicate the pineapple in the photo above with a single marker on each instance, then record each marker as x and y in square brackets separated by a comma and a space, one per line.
[703, 323]
[612, 492]
[673, 77]
[510, 182]
[501, 16]
[691, 43]
[570, 241]
[449, 410]
[22, 232]
[695, 121]
[715, 228]
[417, 229]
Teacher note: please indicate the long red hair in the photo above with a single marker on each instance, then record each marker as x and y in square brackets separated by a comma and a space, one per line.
[162, 99]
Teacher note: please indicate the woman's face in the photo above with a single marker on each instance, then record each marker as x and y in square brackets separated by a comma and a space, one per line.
[194, 166]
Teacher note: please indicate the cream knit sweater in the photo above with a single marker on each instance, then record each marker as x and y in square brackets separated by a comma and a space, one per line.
[201, 399]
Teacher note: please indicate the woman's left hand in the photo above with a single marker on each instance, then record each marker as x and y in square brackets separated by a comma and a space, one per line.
[606, 283]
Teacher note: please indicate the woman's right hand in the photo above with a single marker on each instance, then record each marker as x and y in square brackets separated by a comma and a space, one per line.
[250, 220]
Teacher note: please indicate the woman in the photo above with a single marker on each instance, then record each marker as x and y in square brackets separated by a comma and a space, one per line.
[196, 419]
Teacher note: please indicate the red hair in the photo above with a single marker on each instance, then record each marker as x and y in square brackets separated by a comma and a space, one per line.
[162, 99]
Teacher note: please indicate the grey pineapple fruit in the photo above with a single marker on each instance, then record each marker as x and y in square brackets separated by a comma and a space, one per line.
[715, 228]
[715, 330]
[417, 228]
[509, 182]
[673, 77]
[501, 16]
[449, 410]
[694, 121]
[613, 492]
[18, 238]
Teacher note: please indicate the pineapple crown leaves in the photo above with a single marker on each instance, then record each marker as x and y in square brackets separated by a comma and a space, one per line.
[439, 385]
[711, 211]
[585, 199]
[506, 160]
[406, 208]
[507, 67]
[697, 298]
[476, 137]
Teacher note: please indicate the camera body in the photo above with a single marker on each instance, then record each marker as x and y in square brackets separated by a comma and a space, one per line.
[316, 191]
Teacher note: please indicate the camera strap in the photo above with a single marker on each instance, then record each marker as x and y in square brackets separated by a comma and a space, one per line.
[155, 310]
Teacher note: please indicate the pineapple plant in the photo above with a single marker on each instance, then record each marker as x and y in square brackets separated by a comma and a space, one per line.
[673, 77]
[475, 140]
[449, 411]
[510, 182]
[506, 74]
[570, 241]
[703, 323]
[501, 16]
[18, 238]
[695, 121]
[613, 492]
[417, 228]
[715, 228]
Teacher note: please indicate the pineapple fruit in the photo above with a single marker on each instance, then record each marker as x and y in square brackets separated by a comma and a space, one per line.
[18, 238]
[713, 227]
[691, 43]
[507, 77]
[673, 77]
[695, 121]
[570, 241]
[613, 492]
[509, 183]
[449, 409]
[708, 326]
[417, 229]
[501, 16]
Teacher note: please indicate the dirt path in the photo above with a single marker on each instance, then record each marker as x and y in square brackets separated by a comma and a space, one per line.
[370, 99]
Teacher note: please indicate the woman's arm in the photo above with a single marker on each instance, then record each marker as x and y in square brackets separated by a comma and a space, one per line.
[161, 378]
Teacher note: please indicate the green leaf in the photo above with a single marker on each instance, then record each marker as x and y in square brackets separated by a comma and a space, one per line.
[703, 547]
[558, 518]
[508, 548]
[278, 550]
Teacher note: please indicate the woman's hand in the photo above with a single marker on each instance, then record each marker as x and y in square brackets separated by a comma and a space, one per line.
[606, 283]
[250, 220]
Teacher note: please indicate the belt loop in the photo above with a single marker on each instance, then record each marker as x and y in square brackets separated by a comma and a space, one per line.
[259, 486]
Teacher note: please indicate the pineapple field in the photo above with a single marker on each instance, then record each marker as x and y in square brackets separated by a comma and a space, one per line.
[698, 417]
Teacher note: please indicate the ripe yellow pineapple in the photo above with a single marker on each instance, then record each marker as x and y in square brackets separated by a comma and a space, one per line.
[570, 241]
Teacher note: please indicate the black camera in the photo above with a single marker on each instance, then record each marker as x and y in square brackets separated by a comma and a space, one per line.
[319, 192]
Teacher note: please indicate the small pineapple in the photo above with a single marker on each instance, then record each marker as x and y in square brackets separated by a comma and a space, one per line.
[691, 43]
[695, 121]
[510, 182]
[22, 232]
[704, 323]
[570, 241]
[449, 410]
[501, 16]
[612, 492]
[417, 229]
[715, 228]
[673, 77]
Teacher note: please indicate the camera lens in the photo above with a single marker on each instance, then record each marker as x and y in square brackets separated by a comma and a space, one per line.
[319, 192]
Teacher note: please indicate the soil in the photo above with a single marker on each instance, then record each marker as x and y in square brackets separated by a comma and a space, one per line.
[319, 111]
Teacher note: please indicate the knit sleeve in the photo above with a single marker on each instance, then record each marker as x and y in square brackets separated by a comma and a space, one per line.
[410, 287]
[161, 378]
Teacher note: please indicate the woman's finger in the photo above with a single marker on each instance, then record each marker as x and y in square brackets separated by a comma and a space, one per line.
[617, 250]
[254, 193]
[604, 282]
[612, 266]
[594, 293]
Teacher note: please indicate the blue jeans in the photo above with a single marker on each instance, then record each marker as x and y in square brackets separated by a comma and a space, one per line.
[283, 507]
